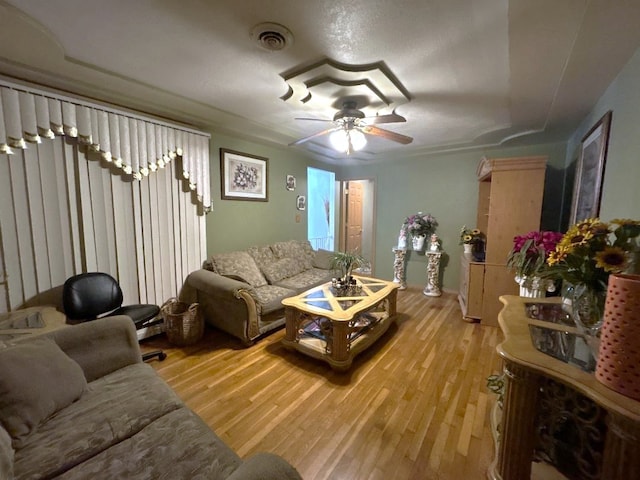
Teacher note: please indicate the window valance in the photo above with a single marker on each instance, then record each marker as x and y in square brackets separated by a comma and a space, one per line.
[136, 144]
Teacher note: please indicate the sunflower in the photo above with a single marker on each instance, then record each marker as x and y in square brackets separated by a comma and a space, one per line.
[467, 238]
[557, 256]
[591, 250]
[612, 259]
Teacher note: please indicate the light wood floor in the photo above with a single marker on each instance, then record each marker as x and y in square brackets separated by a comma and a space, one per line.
[414, 406]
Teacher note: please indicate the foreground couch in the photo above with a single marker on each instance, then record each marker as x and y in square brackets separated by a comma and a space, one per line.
[78, 403]
[241, 292]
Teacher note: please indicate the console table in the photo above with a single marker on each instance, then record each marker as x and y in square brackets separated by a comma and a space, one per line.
[551, 395]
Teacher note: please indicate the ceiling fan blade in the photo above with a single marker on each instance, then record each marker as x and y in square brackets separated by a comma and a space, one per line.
[319, 134]
[314, 119]
[390, 118]
[380, 132]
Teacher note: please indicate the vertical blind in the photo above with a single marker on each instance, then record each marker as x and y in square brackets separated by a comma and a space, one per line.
[88, 188]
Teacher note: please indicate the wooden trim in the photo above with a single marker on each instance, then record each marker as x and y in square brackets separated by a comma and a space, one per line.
[489, 165]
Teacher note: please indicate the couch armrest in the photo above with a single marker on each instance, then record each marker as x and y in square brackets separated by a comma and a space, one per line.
[265, 466]
[212, 283]
[100, 346]
[226, 303]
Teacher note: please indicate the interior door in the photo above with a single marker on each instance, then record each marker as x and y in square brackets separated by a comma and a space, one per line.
[353, 223]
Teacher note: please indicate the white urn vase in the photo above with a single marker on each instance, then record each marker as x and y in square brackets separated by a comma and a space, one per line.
[418, 242]
[534, 287]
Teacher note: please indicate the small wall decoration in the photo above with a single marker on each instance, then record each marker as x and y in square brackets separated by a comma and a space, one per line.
[587, 187]
[243, 176]
[291, 183]
[301, 202]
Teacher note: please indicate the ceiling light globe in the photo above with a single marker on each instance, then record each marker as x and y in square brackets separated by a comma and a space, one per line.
[339, 140]
[358, 140]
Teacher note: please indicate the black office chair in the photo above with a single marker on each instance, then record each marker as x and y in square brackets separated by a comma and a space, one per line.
[88, 296]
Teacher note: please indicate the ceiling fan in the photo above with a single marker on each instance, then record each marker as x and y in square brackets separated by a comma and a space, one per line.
[350, 126]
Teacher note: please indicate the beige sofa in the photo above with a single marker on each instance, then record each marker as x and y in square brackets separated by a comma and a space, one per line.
[241, 292]
[78, 403]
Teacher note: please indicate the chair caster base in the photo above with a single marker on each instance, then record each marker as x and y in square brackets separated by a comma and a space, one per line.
[158, 353]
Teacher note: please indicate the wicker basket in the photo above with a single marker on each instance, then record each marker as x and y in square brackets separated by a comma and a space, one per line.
[183, 323]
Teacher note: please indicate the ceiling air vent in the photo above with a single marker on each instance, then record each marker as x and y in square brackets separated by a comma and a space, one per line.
[271, 36]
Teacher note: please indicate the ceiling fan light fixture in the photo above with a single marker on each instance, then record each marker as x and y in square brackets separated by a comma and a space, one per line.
[347, 140]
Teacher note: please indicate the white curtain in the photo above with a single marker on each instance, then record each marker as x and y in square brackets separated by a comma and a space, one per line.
[86, 188]
[137, 145]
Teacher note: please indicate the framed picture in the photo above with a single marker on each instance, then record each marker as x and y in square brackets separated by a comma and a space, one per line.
[243, 176]
[587, 186]
[291, 183]
[301, 202]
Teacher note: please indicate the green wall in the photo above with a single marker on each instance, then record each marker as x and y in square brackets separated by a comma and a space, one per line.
[237, 224]
[446, 186]
[621, 190]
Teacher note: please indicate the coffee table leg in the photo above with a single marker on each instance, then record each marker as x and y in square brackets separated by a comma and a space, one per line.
[292, 319]
[340, 358]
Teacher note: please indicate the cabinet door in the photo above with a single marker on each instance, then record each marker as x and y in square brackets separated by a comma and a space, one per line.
[476, 290]
[515, 206]
[499, 280]
[471, 288]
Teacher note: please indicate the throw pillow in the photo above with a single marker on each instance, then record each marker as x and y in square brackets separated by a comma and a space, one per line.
[37, 379]
[322, 259]
[294, 249]
[262, 255]
[283, 268]
[239, 264]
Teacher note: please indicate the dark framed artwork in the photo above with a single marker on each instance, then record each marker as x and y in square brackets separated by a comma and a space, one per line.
[243, 176]
[587, 186]
[301, 202]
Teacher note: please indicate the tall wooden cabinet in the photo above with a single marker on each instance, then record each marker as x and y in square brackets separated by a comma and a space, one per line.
[509, 204]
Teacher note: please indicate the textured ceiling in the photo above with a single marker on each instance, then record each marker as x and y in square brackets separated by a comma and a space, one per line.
[468, 72]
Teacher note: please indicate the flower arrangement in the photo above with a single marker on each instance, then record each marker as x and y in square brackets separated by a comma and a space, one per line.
[419, 224]
[591, 250]
[470, 236]
[531, 251]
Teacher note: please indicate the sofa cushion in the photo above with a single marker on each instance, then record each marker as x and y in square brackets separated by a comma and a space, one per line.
[178, 445]
[306, 280]
[111, 409]
[282, 268]
[300, 250]
[269, 297]
[239, 265]
[37, 380]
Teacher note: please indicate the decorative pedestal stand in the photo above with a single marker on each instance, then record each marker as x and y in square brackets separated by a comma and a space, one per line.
[398, 267]
[433, 273]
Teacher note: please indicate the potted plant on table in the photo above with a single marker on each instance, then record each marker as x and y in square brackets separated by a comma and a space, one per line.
[345, 263]
[585, 256]
[470, 238]
[419, 226]
[528, 258]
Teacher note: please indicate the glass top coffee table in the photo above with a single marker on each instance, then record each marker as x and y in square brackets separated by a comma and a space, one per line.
[335, 326]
